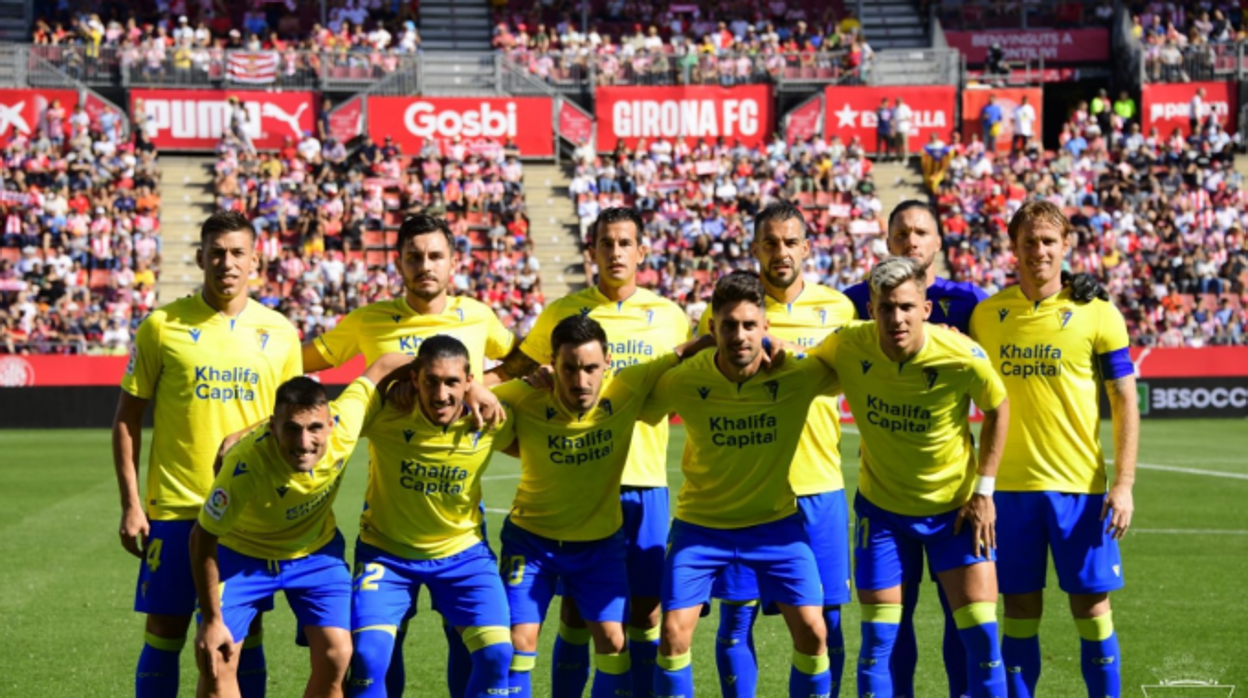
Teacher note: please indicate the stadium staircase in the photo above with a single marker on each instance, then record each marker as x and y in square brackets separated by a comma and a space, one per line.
[186, 200]
[896, 183]
[455, 25]
[554, 230]
[894, 24]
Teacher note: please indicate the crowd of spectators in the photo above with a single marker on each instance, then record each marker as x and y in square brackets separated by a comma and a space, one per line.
[327, 221]
[81, 242]
[698, 199]
[966, 15]
[1159, 218]
[1186, 42]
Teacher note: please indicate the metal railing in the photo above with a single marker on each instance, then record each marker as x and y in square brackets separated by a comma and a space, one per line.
[99, 67]
[568, 73]
[1194, 62]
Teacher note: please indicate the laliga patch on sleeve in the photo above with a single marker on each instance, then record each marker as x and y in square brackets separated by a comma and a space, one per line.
[217, 503]
[134, 358]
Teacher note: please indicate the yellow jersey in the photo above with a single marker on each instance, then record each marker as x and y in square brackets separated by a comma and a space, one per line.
[424, 483]
[393, 326]
[639, 328]
[571, 463]
[262, 507]
[817, 312]
[210, 376]
[918, 453]
[740, 437]
[1052, 356]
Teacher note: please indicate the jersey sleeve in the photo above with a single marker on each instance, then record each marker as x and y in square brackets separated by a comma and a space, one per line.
[536, 344]
[357, 405]
[143, 368]
[293, 366]
[505, 434]
[1112, 345]
[659, 403]
[499, 340]
[987, 388]
[643, 377]
[825, 352]
[341, 344]
[231, 490]
[977, 322]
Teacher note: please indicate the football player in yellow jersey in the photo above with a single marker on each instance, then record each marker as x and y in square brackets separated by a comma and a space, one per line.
[910, 385]
[421, 526]
[566, 523]
[800, 314]
[737, 504]
[271, 510]
[427, 259]
[212, 362]
[1053, 492]
[641, 326]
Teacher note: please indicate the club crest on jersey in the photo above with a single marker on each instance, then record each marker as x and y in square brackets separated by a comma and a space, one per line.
[1065, 314]
[195, 332]
[649, 317]
[407, 435]
[262, 339]
[606, 407]
[823, 316]
[1002, 313]
[550, 412]
[704, 392]
[460, 313]
[476, 438]
[944, 304]
[866, 366]
[281, 491]
[773, 389]
[240, 469]
[929, 375]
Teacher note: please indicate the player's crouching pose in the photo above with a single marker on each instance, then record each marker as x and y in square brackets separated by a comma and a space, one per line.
[421, 526]
[271, 508]
[910, 385]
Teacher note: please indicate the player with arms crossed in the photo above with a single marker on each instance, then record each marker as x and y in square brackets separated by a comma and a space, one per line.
[566, 522]
[421, 526]
[801, 314]
[212, 362]
[910, 385]
[271, 511]
[642, 326]
[1052, 489]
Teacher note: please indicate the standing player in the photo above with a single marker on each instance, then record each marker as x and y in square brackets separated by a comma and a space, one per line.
[642, 326]
[910, 386]
[802, 314]
[212, 362]
[736, 505]
[566, 523]
[421, 526]
[427, 260]
[1052, 352]
[271, 509]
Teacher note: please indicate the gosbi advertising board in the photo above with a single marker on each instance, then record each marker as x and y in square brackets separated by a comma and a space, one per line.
[851, 111]
[743, 113]
[25, 110]
[1169, 106]
[476, 121]
[195, 119]
[1009, 100]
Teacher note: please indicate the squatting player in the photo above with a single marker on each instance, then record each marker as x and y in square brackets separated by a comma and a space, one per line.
[802, 314]
[213, 363]
[743, 428]
[566, 523]
[641, 326]
[421, 526]
[1052, 489]
[268, 525]
[910, 385]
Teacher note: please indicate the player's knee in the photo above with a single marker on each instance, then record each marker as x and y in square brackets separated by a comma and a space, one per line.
[1089, 605]
[677, 634]
[1024, 605]
[373, 649]
[524, 637]
[167, 627]
[335, 656]
[609, 638]
[491, 651]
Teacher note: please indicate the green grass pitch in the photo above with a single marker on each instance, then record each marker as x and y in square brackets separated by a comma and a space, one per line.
[67, 629]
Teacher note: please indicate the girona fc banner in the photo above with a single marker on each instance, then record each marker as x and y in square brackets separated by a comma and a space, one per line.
[1169, 106]
[195, 119]
[629, 114]
[24, 110]
[974, 101]
[850, 111]
[475, 120]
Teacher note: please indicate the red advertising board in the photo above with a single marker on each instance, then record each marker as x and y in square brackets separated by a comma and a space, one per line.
[973, 102]
[629, 114]
[195, 119]
[1168, 106]
[574, 124]
[1052, 45]
[346, 121]
[850, 111]
[41, 371]
[413, 120]
[24, 109]
[802, 123]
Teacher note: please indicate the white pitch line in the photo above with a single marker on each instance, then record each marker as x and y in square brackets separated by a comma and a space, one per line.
[1192, 531]
[497, 511]
[1192, 471]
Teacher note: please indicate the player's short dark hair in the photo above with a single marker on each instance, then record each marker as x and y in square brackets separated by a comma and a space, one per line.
[300, 393]
[438, 348]
[576, 330]
[778, 212]
[616, 214]
[422, 224]
[908, 205]
[223, 222]
[738, 286]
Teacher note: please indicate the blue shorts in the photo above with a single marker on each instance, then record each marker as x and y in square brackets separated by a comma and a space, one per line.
[883, 541]
[317, 587]
[1029, 524]
[825, 517]
[165, 585]
[647, 518]
[465, 586]
[778, 553]
[594, 573]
